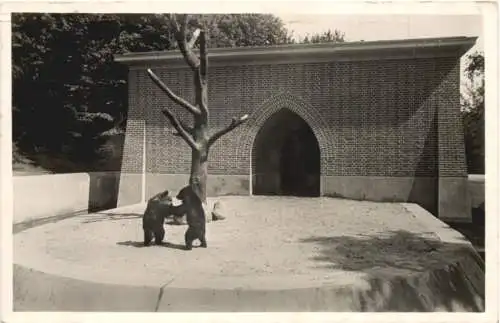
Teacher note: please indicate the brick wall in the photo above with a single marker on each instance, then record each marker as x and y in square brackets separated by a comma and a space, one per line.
[133, 142]
[131, 175]
[371, 118]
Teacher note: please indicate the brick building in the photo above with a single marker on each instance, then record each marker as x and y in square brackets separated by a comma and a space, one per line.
[363, 120]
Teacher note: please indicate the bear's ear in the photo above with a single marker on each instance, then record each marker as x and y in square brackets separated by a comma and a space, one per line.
[164, 194]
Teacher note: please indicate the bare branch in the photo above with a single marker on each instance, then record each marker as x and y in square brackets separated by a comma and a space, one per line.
[203, 55]
[185, 126]
[184, 22]
[173, 21]
[184, 46]
[188, 129]
[234, 123]
[188, 106]
[178, 126]
[201, 94]
[193, 39]
[201, 76]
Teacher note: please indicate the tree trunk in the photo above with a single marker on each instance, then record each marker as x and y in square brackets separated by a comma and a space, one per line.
[199, 173]
[197, 137]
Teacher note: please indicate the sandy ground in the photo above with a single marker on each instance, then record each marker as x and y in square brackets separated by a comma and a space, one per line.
[270, 237]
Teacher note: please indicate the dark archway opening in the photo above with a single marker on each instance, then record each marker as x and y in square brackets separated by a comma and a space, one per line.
[286, 157]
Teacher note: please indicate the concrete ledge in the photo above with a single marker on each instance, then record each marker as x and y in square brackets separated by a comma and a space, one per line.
[42, 196]
[56, 293]
[473, 265]
[427, 292]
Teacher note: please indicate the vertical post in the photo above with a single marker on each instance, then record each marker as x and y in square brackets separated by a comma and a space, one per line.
[144, 168]
[250, 181]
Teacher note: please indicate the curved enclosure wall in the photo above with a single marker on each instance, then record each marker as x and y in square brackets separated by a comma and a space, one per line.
[387, 129]
[43, 196]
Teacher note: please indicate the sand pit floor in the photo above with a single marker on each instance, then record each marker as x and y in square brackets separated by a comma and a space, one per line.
[265, 242]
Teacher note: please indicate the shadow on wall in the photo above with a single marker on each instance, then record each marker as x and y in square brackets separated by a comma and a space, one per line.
[103, 190]
[104, 185]
[425, 188]
[419, 288]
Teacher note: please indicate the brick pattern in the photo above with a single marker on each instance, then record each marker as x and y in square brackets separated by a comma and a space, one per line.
[451, 152]
[133, 142]
[371, 118]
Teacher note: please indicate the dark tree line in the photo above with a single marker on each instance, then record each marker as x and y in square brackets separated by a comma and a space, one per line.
[68, 93]
[70, 97]
[473, 113]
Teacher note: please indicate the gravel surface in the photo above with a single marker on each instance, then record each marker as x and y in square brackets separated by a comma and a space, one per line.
[262, 236]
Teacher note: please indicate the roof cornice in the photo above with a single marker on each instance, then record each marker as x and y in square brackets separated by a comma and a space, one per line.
[372, 50]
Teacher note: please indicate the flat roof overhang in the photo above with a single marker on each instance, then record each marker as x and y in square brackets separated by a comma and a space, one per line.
[310, 53]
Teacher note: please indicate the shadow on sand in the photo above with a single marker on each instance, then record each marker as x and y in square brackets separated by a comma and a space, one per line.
[99, 217]
[140, 244]
[102, 216]
[431, 280]
[396, 249]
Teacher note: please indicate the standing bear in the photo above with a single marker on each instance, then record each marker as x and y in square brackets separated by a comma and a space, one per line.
[157, 209]
[195, 217]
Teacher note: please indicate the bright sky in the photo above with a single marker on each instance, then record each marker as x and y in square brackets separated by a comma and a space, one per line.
[385, 27]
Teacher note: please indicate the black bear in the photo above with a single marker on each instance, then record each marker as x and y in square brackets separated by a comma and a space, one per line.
[195, 217]
[157, 209]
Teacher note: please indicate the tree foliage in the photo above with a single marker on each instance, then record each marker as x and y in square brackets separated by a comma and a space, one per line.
[67, 90]
[326, 37]
[243, 30]
[473, 113]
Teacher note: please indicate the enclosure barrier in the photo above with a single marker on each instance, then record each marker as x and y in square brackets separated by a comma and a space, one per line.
[43, 196]
[476, 188]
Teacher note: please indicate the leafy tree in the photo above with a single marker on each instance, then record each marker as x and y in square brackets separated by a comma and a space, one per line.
[65, 81]
[472, 104]
[242, 30]
[326, 37]
[67, 89]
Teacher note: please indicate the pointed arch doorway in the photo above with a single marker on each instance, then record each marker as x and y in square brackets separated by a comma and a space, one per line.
[286, 157]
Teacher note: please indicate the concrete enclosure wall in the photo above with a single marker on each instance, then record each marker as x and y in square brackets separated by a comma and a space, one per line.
[476, 186]
[42, 196]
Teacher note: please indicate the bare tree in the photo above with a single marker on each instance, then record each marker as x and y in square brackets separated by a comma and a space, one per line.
[197, 137]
